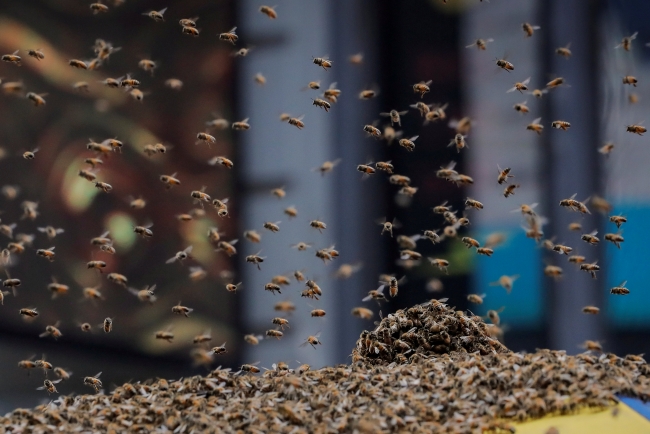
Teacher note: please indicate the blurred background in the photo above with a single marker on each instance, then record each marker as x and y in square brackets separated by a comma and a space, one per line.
[382, 45]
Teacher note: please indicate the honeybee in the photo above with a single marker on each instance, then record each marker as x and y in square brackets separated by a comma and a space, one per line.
[470, 242]
[323, 62]
[182, 310]
[520, 86]
[227, 247]
[590, 268]
[442, 264]
[301, 246]
[252, 236]
[626, 43]
[62, 373]
[250, 368]
[57, 288]
[592, 346]
[607, 148]
[273, 227]
[562, 249]
[49, 386]
[510, 190]
[200, 196]
[616, 239]
[188, 22]
[459, 141]
[104, 186]
[356, 59]
[618, 220]
[475, 298]
[144, 231]
[487, 251]
[170, 180]
[229, 36]
[12, 87]
[174, 83]
[274, 334]
[576, 259]
[165, 335]
[52, 330]
[481, 44]
[372, 131]
[538, 93]
[233, 287]
[12, 58]
[601, 204]
[157, 16]
[385, 166]
[192, 31]
[362, 312]
[327, 166]
[94, 382]
[30, 155]
[85, 327]
[574, 205]
[400, 180]
[47, 253]
[472, 203]
[590, 238]
[118, 279]
[564, 51]
[529, 29]
[422, 88]
[536, 126]
[272, 287]
[316, 224]
[504, 64]
[241, 125]
[636, 129]
[322, 104]
[368, 94]
[593, 310]
[395, 116]
[408, 143]
[281, 322]
[180, 256]
[79, 64]
[629, 79]
[37, 99]
[36, 54]
[561, 125]
[256, 259]
[332, 93]
[205, 138]
[620, 289]
[423, 108]
[92, 293]
[51, 232]
[81, 86]
[521, 107]
[555, 83]
[553, 271]
[87, 175]
[312, 340]
[107, 325]
[129, 82]
[97, 265]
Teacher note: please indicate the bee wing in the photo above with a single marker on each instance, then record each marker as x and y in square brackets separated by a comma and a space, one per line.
[631, 37]
[622, 285]
[368, 297]
[97, 375]
[40, 388]
[170, 260]
[380, 290]
[56, 381]
[60, 230]
[233, 242]
[414, 138]
[526, 81]
[188, 250]
[303, 344]
[42, 335]
[51, 248]
[403, 112]
[42, 229]
[536, 121]
[162, 11]
[512, 89]
[384, 114]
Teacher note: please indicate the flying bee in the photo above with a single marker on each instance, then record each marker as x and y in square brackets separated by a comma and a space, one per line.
[459, 142]
[51, 231]
[327, 166]
[136, 94]
[182, 310]
[385, 166]
[400, 180]
[561, 125]
[633, 98]
[28, 312]
[450, 217]
[521, 107]
[269, 11]
[510, 190]
[372, 131]
[607, 148]
[538, 93]
[205, 138]
[36, 98]
[256, 259]
[616, 239]
[81, 86]
[118, 279]
[393, 285]
[475, 298]
[12, 58]
[626, 43]
[493, 315]
[590, 268]
[36, 54]
[233, 287]
[87, 175]
[30, 155]
[529, 29]
[197, 274]
[79, 64]
[144, 231]
[129, 82]
[221, 349]
[422, 108]
[470, 242]
[376, 294]
[368, 94]
[174, 83]
[316, 224]
[192, 31]
[555, 83]
[442, 264]
[170, 180]
[280, 322]
[165, 335]
[274, 334]
[618, 220]
[504, 64]
[636, 129]
[97, 265]
[242, 52]
[620, 289]
[259, 79]
[332, 93]
[201, 196]
[229, 36]
[85, 327]
[323, 62]
[273, 227]
[188, 22]
[104, 186]
[472, 203]
[435, 114]
[431, 236]
[536, 126]
[157, 16]
[146, 294]
[313, 85]
[47, 253]
[408, 143]
[94, 382]
[520, 86]
[62, 373]
[362, 312]
[312, 340]
[422, 88]
[12, 87]
[577, 259]
[387, 226]
[52, 330]
[593, 310]
[250, 368]
[253, 236]
[553, 271]
[322, 104]
[485, 251]
[590, 238]
[628, 79]
[574, 205]
[395, 116]
[564, 51]
[296, 122]
[562, 249]
[241, 125]
[227, 247]
[301, 246]
[481, 44]
[49, 386]
[57, 288]
[180, 256]
[592, 346]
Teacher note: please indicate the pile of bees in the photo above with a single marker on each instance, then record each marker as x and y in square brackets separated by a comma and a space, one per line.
[428, 329]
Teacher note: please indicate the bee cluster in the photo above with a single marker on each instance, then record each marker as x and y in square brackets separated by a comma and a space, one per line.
[428, 330]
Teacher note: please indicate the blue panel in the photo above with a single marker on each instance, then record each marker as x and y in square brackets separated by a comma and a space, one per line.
[643, 408]
[518, 255]
[629, 263]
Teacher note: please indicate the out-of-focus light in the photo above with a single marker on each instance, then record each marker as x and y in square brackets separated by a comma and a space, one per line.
[121, 227]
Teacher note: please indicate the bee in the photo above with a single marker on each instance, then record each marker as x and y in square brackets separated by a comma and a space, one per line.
[170, 180]
[322, 104]
[368, 94]
[590, 238]
[10, 192]
[272, 287]
[562, 249]
[408, 143]
[57, 288]
[626, 43]
[553, 271]
[2, 297]
[94, 382]
[51, 232]
[269, 11]
[618, 220]
[205, 138]
[252, 236]
[485, 251]
[136, 94]
[250, 368]
[633, 98]
[620, 289]
[273, 227]
[536, 126]
[281, 322]
[475, 298]
[564, 51]
[157, 16]
[181, 255]
[504, 64]
[144, 231]
[521, 107]
[538, 93]
[481, 44]
[49, 386]
[227, 247]
[27, 364]
[393, 285]
[29, 312]
[259, 79]
[372, 131]
[129, 82]
[243, 52]
[422, 88]
[98, 7]
[529, 29]
[510, 190]
[561, 125]
[85, 327]
[256, 259]
[362, 312]
[636, 129]
[241, 125]
[107, 325]
[593, 310]
[298, 276]
[576, 259]
[312, 340]
[555, 83]
[104, 186]
[395, 116]
[327, 166]
[47, 253]
[296, 122]
[590, 268]
[52, 330]
[192, 31]
[232, 287]
[118, 279]
[385, 166]
[274, 334]
[12, 58]
[470, 242]
[616, 239]
[520, 86]
[472, 203]
[592, 346]
[200, 196]
[574, 205]
[628, 79]
[442, 264]
[229, 36]
[79, 64]
[607, 148]
[323, 62]
[87, 175]
[332, 93]
[165, 335]
[30, 155]
[423, 108]
[174, 83]
[301, 246]
[62, 373]
[459, 141]
[92, 293]
[36, 54]
[182, 310]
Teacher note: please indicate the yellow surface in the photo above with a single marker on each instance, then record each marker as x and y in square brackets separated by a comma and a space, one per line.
[626, 422]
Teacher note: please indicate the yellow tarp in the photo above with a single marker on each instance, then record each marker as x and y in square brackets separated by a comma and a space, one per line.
[626, 421]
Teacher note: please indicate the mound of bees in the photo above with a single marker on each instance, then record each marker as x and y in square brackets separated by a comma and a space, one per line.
[450, 392]
[428, 330]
